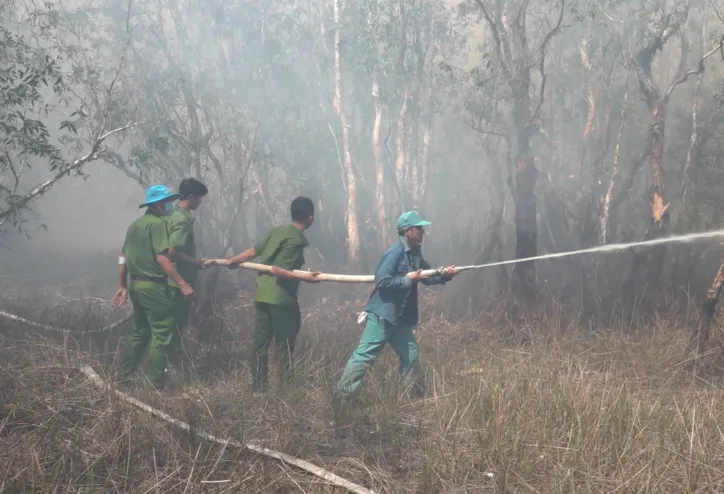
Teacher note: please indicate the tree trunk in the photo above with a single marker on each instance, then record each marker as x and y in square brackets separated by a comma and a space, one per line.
[420, 187]
[526, 212]
[605, 218]
[425, 49]
[657, 206]
[647, 264]
[381, 195]
[353, 238]
[700, 335]
[693, 137]
[401, 171]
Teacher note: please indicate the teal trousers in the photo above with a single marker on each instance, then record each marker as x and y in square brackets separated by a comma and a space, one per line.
[376, 334]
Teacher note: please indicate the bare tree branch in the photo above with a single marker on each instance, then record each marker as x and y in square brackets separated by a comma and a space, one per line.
[498, 38]
[685, 76]
[541, 63]
[22, 202]
[643, 60]
[478, 127]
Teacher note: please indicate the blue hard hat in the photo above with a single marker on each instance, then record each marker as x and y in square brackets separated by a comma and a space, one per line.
[158, 193]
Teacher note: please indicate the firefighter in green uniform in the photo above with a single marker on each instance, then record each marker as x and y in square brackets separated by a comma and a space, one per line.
[144, 259]
[182, 250]
[276, 307]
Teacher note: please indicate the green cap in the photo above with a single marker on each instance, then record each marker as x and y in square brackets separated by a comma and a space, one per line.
[410, 219]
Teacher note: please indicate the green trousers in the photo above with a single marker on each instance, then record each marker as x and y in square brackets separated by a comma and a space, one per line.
[182, 310]
[376, 334]
[154, 326]
[281, 323]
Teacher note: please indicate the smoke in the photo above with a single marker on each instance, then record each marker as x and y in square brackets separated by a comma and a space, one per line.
[83, 215]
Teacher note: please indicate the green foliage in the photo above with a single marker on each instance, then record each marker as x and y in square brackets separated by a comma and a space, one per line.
[27, 75]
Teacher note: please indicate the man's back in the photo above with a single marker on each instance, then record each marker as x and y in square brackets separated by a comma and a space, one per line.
[181, 237]
[283, 247]
[145, 238]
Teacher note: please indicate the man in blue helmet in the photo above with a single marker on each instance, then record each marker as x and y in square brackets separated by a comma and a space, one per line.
[391, 312]
[145, 260]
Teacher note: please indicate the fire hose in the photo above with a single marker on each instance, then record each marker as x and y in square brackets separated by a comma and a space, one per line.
[353, 278]
[339, 278]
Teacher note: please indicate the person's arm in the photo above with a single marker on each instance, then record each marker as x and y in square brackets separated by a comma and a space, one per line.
[168, 268]
[434, 279]
[250, 253]
[386, 277]
[122, 271]
[119, 297]
[308, 276]
[178, 236]
[438, 279]
[179, 256]
[245, 256]
[289, 251]
[159, 240]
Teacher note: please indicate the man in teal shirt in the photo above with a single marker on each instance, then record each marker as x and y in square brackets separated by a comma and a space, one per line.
[276, 307]
[391, 312]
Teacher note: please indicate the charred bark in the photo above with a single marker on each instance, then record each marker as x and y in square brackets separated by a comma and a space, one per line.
[526, 210]
[526, 225]
[517, 59]
[702, 329]
[605, 217]
[647, 265]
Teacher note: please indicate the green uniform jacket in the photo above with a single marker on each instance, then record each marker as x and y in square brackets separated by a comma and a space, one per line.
[282, 247]
[145, 238]
[181, 237]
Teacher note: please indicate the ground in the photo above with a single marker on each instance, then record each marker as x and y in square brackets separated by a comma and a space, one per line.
[568, 412]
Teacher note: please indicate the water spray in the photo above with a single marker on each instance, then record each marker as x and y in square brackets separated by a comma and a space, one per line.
[689, 237]
[344, 278]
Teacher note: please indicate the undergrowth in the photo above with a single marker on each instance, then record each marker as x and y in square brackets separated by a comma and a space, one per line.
[568, 412]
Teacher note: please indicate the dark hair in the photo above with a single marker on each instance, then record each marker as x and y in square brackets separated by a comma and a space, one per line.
[302, 208]
[191, 187]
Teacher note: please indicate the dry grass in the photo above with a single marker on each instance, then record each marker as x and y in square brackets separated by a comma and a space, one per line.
[572, 413]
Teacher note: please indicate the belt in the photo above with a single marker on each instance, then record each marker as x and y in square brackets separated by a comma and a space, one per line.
[153, 279]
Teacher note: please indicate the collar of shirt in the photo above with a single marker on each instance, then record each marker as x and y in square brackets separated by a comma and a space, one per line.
[410, 251]
[187, 214]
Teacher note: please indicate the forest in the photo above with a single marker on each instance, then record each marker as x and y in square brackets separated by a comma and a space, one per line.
[519, 127]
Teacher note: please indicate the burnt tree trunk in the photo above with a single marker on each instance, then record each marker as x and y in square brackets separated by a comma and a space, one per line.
[702, 329]
[526, 211]
[517, 57]
[647, 264]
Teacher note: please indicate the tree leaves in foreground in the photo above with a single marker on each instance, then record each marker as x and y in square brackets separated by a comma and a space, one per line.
[33, 93]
